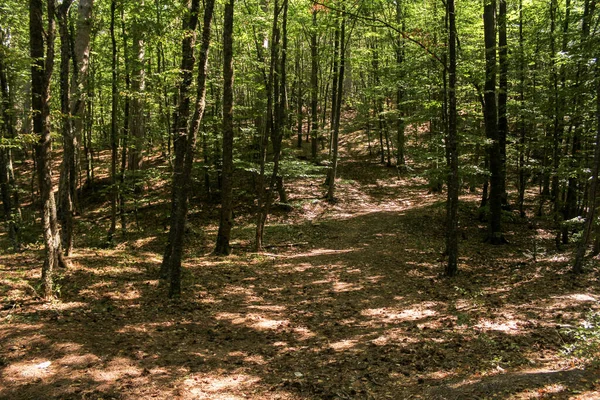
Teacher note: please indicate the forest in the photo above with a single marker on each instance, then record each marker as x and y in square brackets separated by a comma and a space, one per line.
[299, 199]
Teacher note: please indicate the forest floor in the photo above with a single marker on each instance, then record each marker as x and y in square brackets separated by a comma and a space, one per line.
[347, 302]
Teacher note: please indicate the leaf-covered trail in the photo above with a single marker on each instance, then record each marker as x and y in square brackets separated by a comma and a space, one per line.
[353, 308]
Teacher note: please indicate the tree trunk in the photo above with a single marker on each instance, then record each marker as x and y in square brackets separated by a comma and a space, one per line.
[182, 182]
[138, 86]
[65, 195]
[113, 128]
[491, 125]
[226, 220]
[452, 151]
[8, 189]
[41, 73]
[502, 97]
[589, 221]
[400, 159]
[337, 113]
[314, 85]
[522, 129]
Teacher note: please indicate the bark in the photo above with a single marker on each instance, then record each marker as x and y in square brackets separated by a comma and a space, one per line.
[138, 87]
[400, 159]
[182, 182]
[275, 117]
[314, 85]
[491, 125]
[589, 221]
[337, 113]
[65, 195]
[8, 189]
[113, 127]
[73, 100]
[452, 150]
[502, 96]
[223, 246]
[41, 73]
[522, 129]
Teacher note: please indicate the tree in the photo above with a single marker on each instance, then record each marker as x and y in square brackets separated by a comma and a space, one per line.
[185, 141]
[452, 149]
[41, 73]
[495, 235]
[337, 105]
[8, 189]
[223, 246]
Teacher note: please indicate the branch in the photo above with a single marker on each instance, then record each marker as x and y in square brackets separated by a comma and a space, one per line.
[404, 35]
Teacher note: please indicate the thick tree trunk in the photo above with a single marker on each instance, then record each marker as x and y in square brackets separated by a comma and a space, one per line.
[41, 73]
[491, 125]
[589, 221]
[138, 87]
[223, 246]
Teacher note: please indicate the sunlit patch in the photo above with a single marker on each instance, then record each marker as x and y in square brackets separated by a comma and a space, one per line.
[271, 308]
[219, 387]
[343, 344]
[509, 326]
[21, 372]
[79, 361]
[64, 306]
[303, 267]
[393, 315]
[141, 242]
[117, 368]
[317, 252]
[582, 297]
[254, 321]
[304, 333]
[394, 336]
[341, 287]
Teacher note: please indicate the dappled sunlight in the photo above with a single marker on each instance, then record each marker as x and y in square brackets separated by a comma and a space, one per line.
[395, 315]
[30, 371]
[253, 320]
[343, 345]
[510, 327]
[206, 386]
[351, 304]
[116, 369]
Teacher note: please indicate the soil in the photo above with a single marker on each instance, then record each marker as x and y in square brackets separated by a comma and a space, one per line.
[348, 301]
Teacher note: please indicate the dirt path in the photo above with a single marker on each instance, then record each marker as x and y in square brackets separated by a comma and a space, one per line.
[355, 310]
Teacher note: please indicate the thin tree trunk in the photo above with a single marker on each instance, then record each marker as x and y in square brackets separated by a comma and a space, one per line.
[452, 144]
[223, 246]
[522, 129]
[502, 97]
[113, 128]
[8, 189]
[182, 183]
[65, 195]
[314, 85]
[337, 113]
